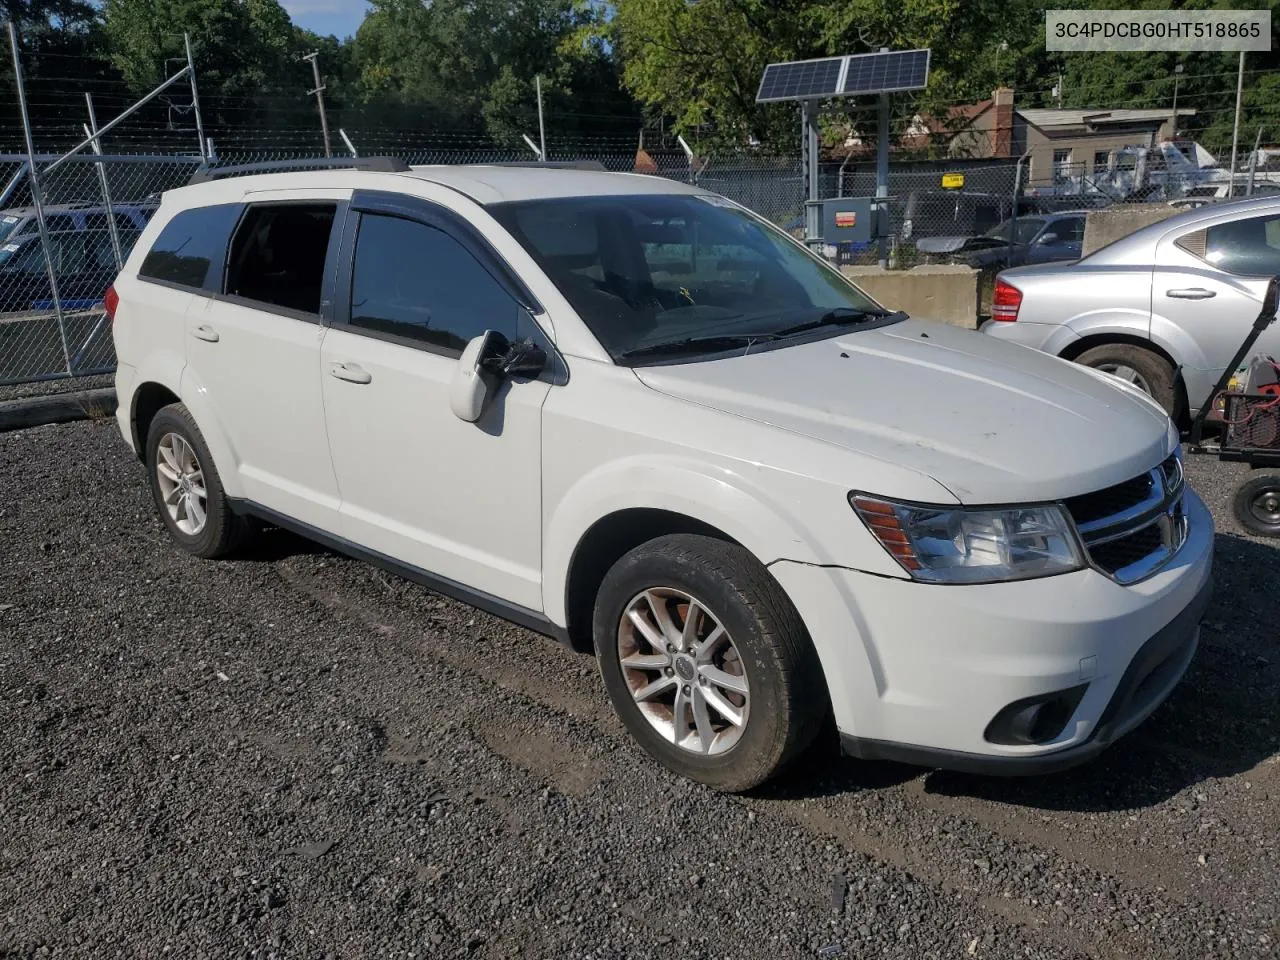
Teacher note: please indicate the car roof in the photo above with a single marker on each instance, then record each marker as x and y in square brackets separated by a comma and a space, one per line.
[484, 183]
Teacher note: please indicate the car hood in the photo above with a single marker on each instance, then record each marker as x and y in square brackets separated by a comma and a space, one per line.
[991, 421]
[952, 244]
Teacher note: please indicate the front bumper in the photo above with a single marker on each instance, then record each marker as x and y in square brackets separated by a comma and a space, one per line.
[918, 672]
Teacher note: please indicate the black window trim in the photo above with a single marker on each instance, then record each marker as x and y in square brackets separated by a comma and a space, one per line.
[331, 261]
[416, 210]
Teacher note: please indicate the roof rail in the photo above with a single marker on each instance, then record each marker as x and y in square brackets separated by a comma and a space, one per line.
[550, 164]
[204, 173]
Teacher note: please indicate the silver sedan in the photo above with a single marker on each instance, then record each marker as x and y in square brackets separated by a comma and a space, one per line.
[1165, 307]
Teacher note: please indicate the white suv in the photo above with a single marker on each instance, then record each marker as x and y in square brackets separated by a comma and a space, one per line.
[631, 414]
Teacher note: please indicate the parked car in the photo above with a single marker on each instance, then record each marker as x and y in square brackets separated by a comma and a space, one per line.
[933, 213]
[83, 260]
[60, 218]
[1164, 308]
[629, 413]
[1035, 238]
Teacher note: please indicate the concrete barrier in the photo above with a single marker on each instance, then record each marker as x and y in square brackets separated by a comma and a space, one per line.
[1111, 223]
[944, 292]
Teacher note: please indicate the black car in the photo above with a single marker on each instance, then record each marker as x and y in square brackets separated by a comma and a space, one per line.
[83, 261]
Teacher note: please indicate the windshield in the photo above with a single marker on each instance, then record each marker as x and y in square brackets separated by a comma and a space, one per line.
[653, 269]
[1028, 227]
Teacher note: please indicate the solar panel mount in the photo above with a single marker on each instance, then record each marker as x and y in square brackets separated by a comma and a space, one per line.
[888, 71]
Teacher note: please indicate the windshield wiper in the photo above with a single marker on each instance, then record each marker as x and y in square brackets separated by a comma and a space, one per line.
[838, 317]
[695, 345]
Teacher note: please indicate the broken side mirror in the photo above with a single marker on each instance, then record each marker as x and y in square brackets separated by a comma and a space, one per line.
[474, 378]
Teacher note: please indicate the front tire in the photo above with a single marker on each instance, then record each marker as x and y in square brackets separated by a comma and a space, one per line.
[1257, 505]
[1148, 371]
[707, 663]
[187, 489]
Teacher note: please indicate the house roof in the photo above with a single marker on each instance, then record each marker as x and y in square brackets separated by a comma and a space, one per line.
[1078, 118]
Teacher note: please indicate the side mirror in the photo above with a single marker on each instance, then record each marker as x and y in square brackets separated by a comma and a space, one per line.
[1047, 238]
[473, 378]
[524, 358]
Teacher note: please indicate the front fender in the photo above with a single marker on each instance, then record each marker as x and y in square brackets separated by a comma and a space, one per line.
[715, 495]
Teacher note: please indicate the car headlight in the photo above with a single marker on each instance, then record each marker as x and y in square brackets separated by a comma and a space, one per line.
[940, 544]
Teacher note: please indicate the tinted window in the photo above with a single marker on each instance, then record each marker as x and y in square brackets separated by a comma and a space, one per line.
[192, 247]
[415, 281]
[278, 254]
[60, 221]
[656, 268]
[1070, 230]
[1250, 247]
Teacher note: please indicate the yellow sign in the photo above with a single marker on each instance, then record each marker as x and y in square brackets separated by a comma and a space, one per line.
[952, 181]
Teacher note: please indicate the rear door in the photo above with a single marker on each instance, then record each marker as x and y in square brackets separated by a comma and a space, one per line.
[254, 348]
[1207, 290]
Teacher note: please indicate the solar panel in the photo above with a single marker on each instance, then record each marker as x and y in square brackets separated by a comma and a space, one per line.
[886, 72]
[845, 76]
[801, 79]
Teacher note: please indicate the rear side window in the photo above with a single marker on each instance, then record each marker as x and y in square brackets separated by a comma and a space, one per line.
[192, 248]
[98, 221]
[60, 222]
[1250, 247]
[278, 255]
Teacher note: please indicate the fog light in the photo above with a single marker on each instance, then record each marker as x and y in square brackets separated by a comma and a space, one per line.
[1037, 719]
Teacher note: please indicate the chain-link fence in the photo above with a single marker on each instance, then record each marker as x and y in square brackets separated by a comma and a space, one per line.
[52, 323]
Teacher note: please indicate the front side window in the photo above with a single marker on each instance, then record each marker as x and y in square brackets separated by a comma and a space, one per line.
[1249, 247]
[1070, 230]
[415, 281]
[646, 270]
[278, 255]
[192, 247]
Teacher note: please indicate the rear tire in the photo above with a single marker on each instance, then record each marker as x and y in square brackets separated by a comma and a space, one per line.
[1148, 371]
[1257, 504]
[187, 489]
[746, 656]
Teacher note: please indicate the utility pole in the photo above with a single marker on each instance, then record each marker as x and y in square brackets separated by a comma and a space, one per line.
[1235, 132]
[1177, 73]
[319, 94]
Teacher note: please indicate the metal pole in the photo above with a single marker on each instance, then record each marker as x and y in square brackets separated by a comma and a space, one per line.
[36, 198]
[91, 129]
[1253, 162]
[882, 176]
[195, 99]
[347, 140]
[102, 131]
[534, 147]
[1235, 132]
[542, 130]
[809, 139]
[12, 185]
[1013, 214]
[1177, 72]
[314, 57]
[840, 177]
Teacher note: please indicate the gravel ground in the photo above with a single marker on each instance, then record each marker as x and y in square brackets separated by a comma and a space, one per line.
[295, 755]
[45, 388]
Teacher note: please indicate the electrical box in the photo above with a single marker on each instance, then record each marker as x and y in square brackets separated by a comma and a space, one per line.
[849, 220]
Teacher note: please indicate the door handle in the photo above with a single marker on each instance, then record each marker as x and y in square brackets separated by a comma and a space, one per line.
[351, 372]
[1191, 293]
[205, 332]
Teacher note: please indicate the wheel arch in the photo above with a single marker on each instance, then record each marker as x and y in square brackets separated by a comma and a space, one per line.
[605, 542]
[1077, 347]
[148, 400]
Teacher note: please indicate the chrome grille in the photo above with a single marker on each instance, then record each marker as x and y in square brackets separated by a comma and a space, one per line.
[1134, 528]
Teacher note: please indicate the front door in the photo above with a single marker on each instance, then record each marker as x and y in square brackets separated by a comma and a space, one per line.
[459, 500]
[1206, 292]
[255, 351]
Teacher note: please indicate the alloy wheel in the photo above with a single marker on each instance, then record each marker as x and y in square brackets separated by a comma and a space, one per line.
[182, 486]
[684, 671]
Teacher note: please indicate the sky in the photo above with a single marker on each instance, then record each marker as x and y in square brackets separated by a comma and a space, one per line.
[338, 17]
